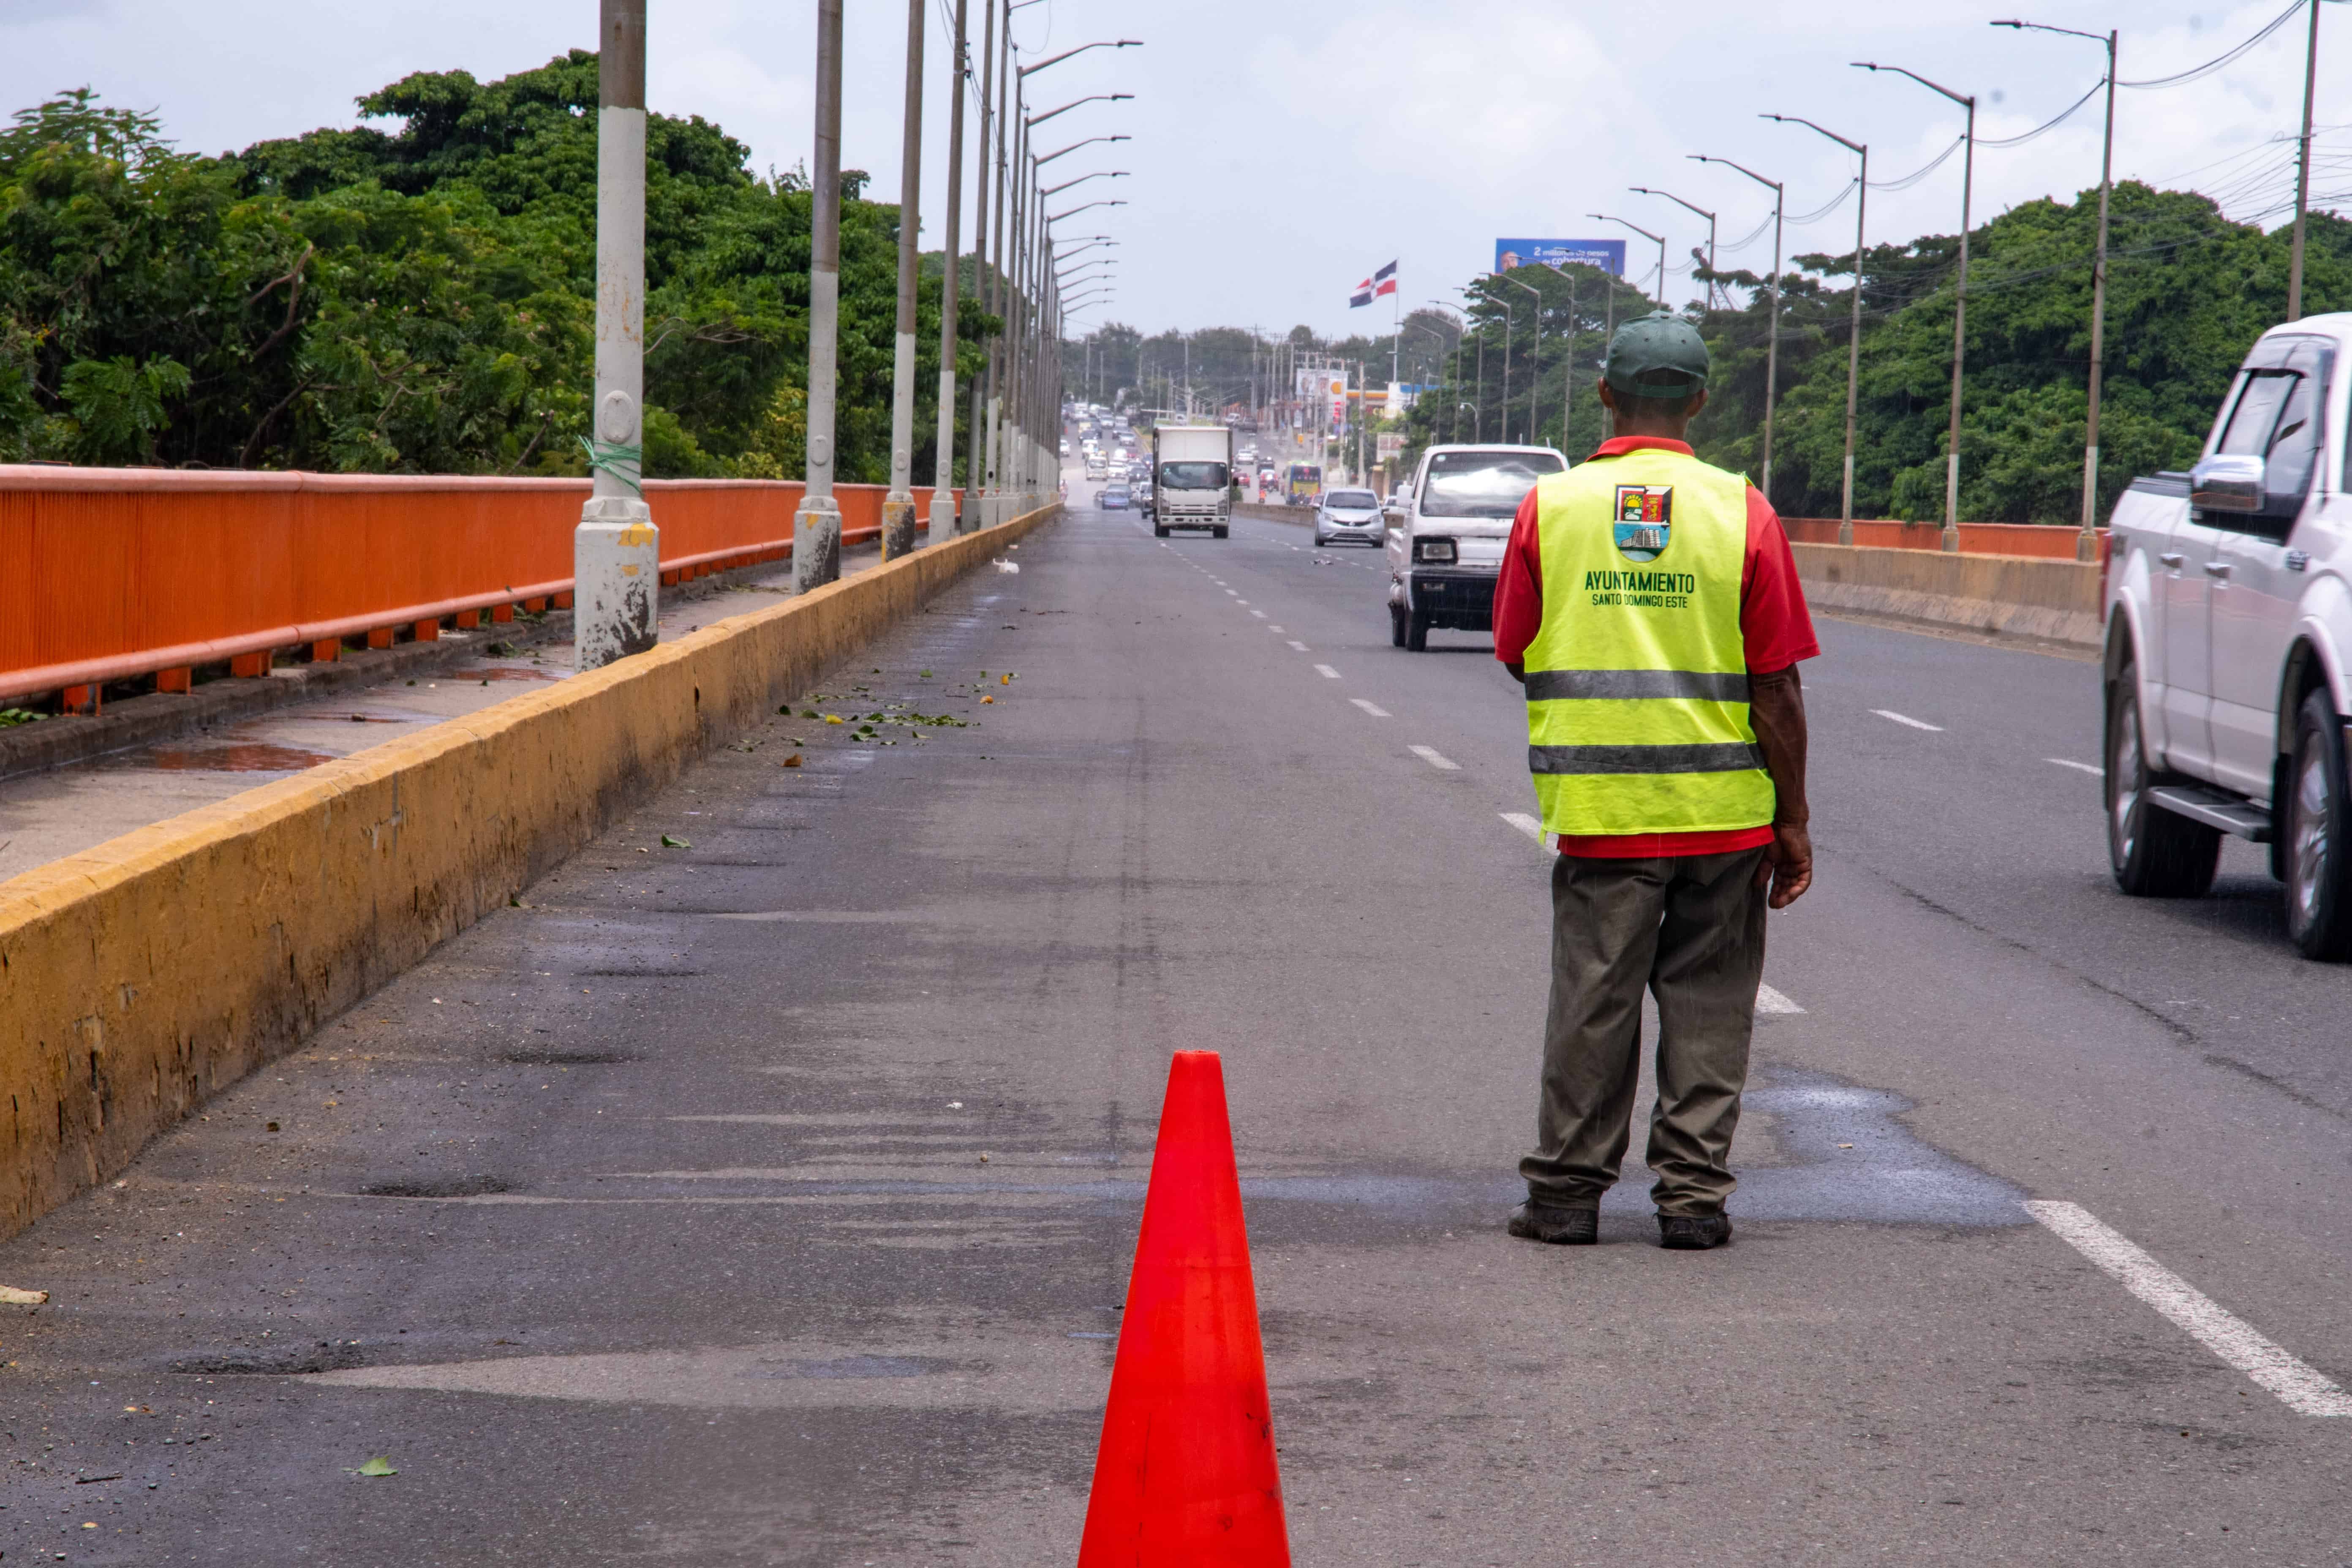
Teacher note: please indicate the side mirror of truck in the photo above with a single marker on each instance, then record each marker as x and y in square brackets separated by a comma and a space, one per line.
[2228, 484]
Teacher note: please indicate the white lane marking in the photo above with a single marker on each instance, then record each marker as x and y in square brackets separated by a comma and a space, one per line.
[1276, 630]
[1237, 600]
[1907, 719]
[2078, 767]
[1435, 758]
[1299, 646]
[1326, 672]
[1374, 709]
[1770, 1001]
[1259, 614]
[2303, 1389]
[1525, 823]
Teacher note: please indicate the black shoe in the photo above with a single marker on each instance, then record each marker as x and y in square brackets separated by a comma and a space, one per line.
[1693, 1232]
[1532, 1221]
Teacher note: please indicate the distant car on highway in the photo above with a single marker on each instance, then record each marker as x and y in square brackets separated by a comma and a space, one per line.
[1095, 470]
[1446, 549]
[1347, 514]
[1113, 498]
[2228, 595]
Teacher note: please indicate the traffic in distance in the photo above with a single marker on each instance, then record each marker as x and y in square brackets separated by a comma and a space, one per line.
[2227, 605]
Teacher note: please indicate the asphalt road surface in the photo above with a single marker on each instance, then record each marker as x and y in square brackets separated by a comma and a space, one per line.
[769, 1200]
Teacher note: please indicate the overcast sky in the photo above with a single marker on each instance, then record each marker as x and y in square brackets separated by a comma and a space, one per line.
[1281, 152]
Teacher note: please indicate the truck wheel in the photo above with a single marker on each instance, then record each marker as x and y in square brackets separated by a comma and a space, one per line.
[2153, 853]
[1219, 531]
[2318, 902]
[1396, 625]
[1416, 631]
[1159, 530]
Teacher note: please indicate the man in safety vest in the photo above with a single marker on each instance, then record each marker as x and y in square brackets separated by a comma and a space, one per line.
[1649, 602]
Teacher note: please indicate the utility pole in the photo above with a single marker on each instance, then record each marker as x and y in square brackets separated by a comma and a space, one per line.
[1853, 335]
[898, 502]
[1534, 371]
[1951, 540]
[1772, 348]
[999, 301]
[975, 467]
[943, 501]
[617, 550]
[2302, 167]
[817, 528]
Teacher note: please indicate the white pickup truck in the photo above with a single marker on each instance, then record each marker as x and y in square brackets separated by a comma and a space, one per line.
[2229, 624]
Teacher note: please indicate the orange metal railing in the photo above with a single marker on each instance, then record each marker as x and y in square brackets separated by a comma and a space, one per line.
[2051, 540]
[108, 574]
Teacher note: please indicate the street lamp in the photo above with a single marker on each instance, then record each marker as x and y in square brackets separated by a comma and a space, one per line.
[1535, 368]
[1073, 211]
[1772, 348]
[1646, 190]
[1951, 540]
[2087, 543]
[1853, 335]
[1076, 145]
[1082, 179]
[1098, 44]
[1646, 233]
[1096, 242]
[1477, 429]
[1075, 267]
[1036, 120]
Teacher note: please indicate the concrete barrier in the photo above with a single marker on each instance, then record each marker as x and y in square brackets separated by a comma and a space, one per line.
[141, 977]
[2007, 595]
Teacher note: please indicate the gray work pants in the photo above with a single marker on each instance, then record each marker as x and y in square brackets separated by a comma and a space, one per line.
[1690, 930]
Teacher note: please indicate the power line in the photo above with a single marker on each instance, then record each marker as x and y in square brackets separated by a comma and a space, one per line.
[2064, 115]
[2195, 73]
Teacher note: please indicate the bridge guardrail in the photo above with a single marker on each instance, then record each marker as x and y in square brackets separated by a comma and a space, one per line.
[114, 573]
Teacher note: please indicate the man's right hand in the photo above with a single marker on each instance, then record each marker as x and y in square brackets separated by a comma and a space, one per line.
[1788, 864]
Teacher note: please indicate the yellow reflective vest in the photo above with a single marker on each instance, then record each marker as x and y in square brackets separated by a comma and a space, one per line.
[1637, 679]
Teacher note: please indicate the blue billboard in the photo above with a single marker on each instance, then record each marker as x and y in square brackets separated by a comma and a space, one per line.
[1606, 254]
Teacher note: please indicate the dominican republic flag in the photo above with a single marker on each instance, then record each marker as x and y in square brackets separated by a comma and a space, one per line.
[1386, 280]
[1378, 283]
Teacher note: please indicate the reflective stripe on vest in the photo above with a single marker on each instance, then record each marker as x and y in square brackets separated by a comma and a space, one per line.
[1637, 679]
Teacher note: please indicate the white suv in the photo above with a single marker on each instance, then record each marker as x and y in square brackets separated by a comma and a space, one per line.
[1445, 543]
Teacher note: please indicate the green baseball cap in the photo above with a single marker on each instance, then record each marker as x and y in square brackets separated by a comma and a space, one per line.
[1657, 355]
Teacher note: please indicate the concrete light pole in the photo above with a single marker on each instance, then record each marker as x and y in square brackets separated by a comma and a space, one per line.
[1535, 367]
[617, 550]
[816, 527]
[2302, 164]
[898, 502]
[975, 464]
[1951, 540]
[1772, 348]
[943, 501]
[2087, 543]
[1853, 335]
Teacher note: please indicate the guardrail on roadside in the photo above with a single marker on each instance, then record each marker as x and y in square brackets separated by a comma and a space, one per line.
[109, 575]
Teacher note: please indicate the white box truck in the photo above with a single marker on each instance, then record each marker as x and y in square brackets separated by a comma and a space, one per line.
[1191, 478]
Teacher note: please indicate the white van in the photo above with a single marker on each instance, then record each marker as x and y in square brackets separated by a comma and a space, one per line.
[1446, 542]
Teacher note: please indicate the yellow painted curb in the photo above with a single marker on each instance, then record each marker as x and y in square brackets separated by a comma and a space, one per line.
[141, 977]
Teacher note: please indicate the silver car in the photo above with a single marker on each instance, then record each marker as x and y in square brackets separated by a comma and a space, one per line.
[1347, 514]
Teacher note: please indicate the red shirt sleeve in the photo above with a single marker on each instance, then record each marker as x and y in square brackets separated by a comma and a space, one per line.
[1518, 591]
[1774, 624]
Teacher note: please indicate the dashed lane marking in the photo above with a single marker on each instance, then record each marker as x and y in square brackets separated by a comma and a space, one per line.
[1374, 709]
[1300, 646]
[1525, 823]
[2078, 767]
[1259, 614]
[1770, 1001]
[1435, 758]
[1326, 672]
[1907, 719]
[2299, 1386]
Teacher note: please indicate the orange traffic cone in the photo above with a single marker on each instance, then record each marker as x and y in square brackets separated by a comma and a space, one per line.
[1186, 1476]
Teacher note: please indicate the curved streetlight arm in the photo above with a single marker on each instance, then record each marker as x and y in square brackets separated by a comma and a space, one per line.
[1059, 216]
[1801, 120]
[1036, 119]
[1082, 48]
[1646, 190]
[1078, 266]
[1073, 146]
[1637, 228]
[1772, 185]
[1962, 98]
[1094, 277]
[1093, 242]
[1082, 179]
